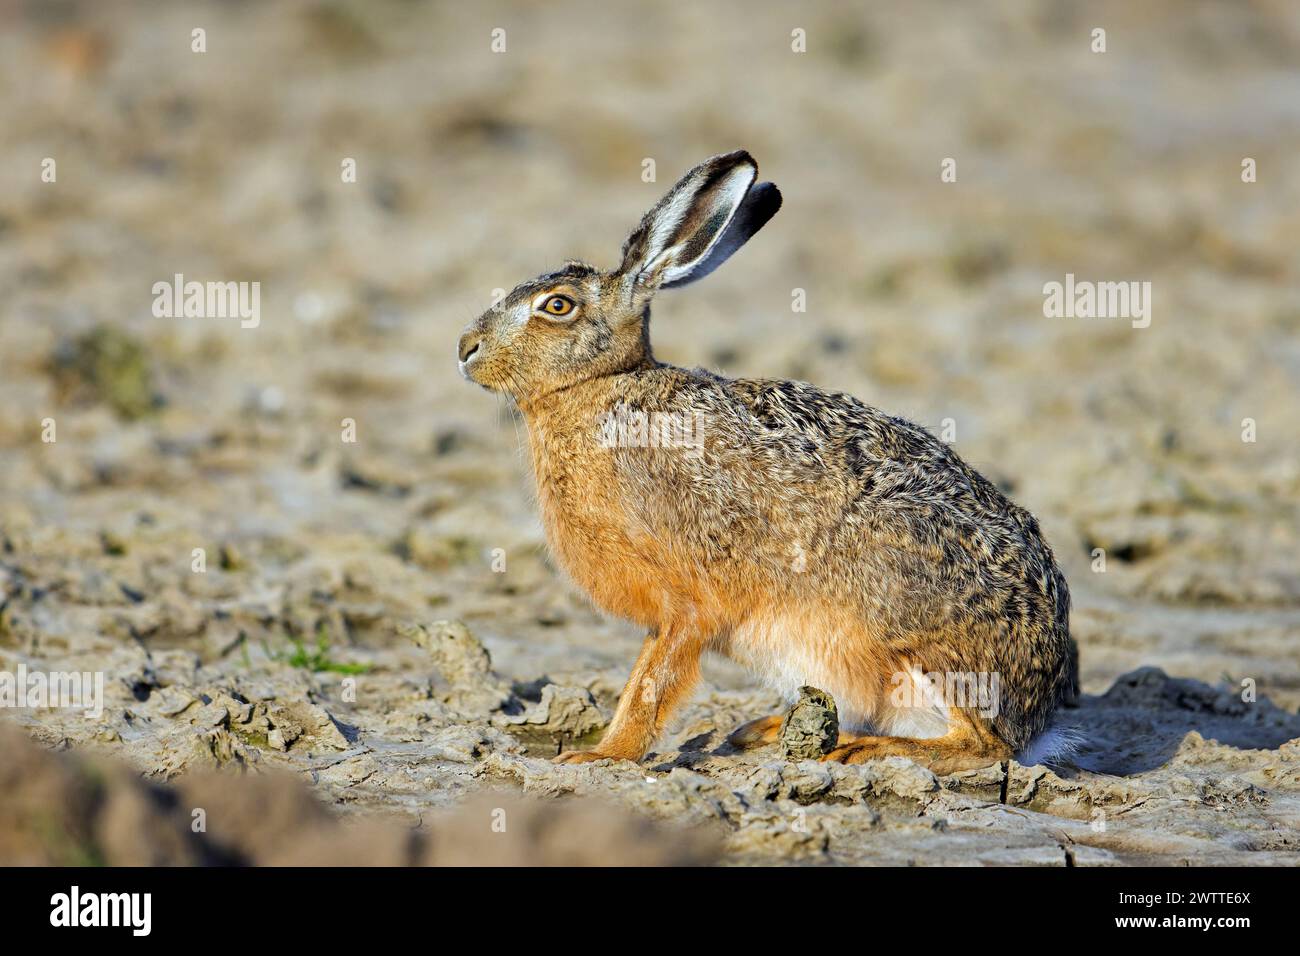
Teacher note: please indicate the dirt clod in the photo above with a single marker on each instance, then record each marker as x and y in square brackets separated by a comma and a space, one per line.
[811, 727]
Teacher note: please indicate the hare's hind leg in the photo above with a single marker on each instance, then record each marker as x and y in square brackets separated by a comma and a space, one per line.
[762, 731]
[969, 745]
[756, 733]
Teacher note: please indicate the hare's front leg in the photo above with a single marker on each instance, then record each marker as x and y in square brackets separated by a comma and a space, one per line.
[665, 672]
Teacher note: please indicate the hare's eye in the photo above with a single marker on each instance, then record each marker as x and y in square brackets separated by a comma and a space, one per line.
[558, 305]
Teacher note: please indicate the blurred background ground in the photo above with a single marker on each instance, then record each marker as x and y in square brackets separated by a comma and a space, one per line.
[477, 169]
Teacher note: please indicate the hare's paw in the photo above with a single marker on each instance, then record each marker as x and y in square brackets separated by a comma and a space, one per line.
[857, 751]
[756, 733]
[942, 755]
[582, 756]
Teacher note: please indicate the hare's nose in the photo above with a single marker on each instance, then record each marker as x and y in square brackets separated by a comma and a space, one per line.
[469, 343]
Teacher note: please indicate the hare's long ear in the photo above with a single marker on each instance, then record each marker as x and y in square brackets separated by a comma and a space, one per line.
[696, 227]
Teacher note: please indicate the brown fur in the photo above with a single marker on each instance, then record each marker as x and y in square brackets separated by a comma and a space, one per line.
[805, 534]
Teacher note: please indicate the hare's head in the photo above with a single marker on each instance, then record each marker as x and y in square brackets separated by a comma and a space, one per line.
[579, 322]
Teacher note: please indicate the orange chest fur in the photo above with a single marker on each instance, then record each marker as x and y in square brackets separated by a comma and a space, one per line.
[591, 532]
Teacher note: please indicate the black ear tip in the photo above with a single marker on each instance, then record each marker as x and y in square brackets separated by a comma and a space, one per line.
[737, 157]
[763, 200]
[767, 193]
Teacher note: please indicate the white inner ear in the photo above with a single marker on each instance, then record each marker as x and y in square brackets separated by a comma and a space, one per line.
[729, 195]
[658, 260]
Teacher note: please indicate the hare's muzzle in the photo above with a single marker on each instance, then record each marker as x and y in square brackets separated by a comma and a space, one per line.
[468, 349]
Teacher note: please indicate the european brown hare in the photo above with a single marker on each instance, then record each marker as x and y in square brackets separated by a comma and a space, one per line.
[798, 531]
